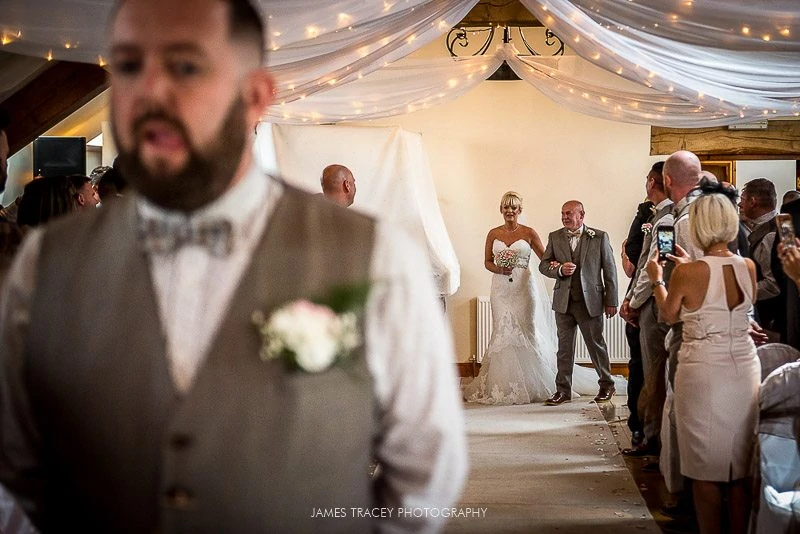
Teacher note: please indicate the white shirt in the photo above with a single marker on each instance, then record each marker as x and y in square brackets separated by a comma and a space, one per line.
[574, 239]
[640, 289]
[421, 443]
[762, 254]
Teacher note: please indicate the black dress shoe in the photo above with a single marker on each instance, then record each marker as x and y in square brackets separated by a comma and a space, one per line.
[679, 509]
[645, 449]
[637, 438]
[605, 394]
[651, 467]
[556, 399]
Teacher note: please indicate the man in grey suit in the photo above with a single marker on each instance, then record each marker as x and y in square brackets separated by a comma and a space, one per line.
[582, 262]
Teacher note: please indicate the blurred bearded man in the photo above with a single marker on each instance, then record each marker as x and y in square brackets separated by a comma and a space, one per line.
[147, 406]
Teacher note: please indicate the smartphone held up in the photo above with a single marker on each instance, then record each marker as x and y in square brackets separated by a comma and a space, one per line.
[785, 229]
[665, 239]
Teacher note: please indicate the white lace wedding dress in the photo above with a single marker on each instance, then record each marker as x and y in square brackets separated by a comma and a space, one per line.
[519, 365]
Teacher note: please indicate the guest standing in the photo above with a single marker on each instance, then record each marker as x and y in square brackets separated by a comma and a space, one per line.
[788, 322]
[631, 253]
[44, 199]
[640, 305]
[758, 206]
[86, 195]
[10, 235]
[338, 184]
[717, 379]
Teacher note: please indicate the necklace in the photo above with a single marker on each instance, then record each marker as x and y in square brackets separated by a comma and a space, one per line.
[515, 229]
[719, 252]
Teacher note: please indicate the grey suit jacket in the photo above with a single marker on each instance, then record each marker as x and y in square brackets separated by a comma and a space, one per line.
[598, 272]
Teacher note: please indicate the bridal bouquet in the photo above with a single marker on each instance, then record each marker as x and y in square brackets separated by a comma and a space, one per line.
[507, 258]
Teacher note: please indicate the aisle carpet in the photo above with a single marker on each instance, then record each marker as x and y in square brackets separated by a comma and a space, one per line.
[541, 469]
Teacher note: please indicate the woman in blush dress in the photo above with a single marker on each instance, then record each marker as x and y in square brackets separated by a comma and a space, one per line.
[519, 365]
[718, 374]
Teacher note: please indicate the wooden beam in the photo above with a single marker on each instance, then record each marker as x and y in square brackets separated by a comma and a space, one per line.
[49, 98]
[781, 140]
[488, 12]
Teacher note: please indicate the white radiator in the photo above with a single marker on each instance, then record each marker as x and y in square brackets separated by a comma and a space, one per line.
[484, 327]
[613, 332]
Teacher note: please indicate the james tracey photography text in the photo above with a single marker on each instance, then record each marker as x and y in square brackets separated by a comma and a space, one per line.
[341, 512]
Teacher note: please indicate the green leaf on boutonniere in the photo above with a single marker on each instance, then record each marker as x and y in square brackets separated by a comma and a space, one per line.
[345, 297]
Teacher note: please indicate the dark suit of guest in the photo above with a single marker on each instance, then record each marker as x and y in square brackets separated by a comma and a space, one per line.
[769, 309]
[788, 323]
[633, 249]
[579, 300]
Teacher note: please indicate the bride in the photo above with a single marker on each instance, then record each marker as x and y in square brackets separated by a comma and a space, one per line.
[519, 365]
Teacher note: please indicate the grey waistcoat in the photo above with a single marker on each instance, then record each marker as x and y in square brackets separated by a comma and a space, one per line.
[575, 286]
[251, 447]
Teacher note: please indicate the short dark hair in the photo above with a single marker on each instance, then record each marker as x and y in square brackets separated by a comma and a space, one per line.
[245, 23]
[763, 191]
[5, 119]
[78, 180]
[657, 170]
[789, 196]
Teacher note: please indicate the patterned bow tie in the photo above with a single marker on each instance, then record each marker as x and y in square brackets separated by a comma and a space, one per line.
[573, 233]
[162, 237]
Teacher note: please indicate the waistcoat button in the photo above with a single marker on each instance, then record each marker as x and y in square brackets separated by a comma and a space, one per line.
[180, 441]
[178, 498]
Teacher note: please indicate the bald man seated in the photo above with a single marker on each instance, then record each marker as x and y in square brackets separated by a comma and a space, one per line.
[338, 184]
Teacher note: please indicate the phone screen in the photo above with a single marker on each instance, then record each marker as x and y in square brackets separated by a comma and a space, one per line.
[665, 237]
[785, 229]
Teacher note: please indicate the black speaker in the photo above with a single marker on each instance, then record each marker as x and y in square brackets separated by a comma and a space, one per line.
[59, 156]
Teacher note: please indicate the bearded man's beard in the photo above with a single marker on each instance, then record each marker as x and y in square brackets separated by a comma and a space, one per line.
[207, 173]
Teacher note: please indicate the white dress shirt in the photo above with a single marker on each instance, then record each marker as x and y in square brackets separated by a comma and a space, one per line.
[640, 289]
[574, 239]
[573, 243]
[767, 286]
[421, 442]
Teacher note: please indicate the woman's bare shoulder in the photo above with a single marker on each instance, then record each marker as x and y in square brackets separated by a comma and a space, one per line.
[530, 230]
[495, 231]
[692, 268]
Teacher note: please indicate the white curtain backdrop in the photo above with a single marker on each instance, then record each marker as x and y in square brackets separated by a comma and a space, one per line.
[689, 63]
[393, 179]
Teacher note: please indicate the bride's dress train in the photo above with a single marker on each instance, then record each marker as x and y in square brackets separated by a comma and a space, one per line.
[519, 365]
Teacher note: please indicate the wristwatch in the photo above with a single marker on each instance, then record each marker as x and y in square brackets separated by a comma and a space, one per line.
[657, 283]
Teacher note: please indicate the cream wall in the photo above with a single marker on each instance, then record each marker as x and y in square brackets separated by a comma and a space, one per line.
[506, 136]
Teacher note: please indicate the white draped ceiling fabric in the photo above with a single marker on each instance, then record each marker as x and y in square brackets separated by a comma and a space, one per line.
[678, 63]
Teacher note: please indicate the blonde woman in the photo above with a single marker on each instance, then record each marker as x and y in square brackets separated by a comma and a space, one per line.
[519, 365]
[718, 372]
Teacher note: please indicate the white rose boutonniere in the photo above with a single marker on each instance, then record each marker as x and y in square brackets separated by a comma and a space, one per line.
[590, 233]
[313, 336]
[647, 228]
